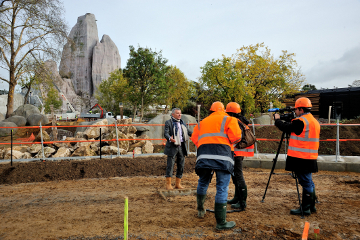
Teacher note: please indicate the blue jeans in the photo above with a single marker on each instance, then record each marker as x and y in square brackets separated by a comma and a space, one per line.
[305, 180]
[222, 184]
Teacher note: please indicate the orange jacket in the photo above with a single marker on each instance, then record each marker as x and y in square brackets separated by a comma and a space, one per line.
[306, 144]
[214, 136]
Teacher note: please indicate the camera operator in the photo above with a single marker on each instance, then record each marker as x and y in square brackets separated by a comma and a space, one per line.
[302, 151]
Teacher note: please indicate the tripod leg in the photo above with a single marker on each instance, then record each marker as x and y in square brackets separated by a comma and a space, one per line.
[297, 188]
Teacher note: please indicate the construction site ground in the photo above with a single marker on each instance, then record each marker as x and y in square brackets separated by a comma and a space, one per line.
[84, 199]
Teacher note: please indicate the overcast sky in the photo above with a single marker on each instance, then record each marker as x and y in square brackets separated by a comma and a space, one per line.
[324, 34]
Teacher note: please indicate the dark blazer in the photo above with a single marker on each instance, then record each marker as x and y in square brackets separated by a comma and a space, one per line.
[170, 148]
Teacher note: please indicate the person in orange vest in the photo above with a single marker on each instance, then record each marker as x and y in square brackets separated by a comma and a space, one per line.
[239, 201]
[214, 137]
[302, 151]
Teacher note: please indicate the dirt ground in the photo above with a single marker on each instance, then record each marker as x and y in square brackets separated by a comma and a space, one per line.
[85, 200]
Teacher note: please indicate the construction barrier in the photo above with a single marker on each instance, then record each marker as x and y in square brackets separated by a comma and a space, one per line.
[29, 141]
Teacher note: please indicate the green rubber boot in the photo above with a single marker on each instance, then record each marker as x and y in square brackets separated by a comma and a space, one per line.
[241, 204]
[236, 197]
[306, 203]
[220, 215]
[313, 201]
[200, 205]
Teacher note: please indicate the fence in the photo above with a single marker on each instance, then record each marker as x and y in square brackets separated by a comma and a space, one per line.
[29, 141]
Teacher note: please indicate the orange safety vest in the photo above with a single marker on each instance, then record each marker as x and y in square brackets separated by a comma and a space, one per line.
[245, 152]
[306, 144]
[218, 129]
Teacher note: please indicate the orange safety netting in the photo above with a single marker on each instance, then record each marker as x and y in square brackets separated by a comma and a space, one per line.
[29, 139]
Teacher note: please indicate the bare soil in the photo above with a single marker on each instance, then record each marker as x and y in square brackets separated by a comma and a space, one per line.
[85, 200]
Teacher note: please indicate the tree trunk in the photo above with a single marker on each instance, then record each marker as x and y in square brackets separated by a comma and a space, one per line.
[135, 108]
[10, 102]
[142, 109]
[26, 98]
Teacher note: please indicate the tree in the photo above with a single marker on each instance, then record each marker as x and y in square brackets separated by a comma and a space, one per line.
[355, 83]
[28, 29]
[308, 87]
[145, 70]
[252, 77]
[52, 98]
[113, 91]
[177, 88]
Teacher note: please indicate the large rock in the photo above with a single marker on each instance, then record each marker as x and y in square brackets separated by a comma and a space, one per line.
[83, 129]
[45, 136]
[148, 147]
[2, 116]
[26, 110]
[111, 150]
[35, 148]
[106, 59]
[15, 154]
[18, 101]
[94, 132]
[76, 60]
[262, 120]
[62, 152]
[83, 151]
[47, 152]
[37, 118]
[20, 121]
[7, 131]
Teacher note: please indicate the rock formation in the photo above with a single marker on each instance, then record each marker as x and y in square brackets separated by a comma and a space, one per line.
[76, 60]
[106, 59]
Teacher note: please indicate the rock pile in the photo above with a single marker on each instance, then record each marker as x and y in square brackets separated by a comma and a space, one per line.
[80, 146]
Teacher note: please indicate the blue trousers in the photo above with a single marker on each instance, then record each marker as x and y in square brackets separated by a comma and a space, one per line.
[222, 183]
[305, 180]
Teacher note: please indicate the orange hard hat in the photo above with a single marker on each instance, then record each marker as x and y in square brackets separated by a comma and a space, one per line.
[217, 107]
[233, 107]
[303, 102]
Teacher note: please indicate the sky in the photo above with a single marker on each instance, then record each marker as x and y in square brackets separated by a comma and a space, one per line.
[324, 34]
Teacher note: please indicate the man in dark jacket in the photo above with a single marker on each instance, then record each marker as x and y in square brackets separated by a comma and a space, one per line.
[176, 133]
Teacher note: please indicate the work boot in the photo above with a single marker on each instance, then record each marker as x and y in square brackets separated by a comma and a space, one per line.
[220, 216]
[241, 204]
[200, 199]
[235, 198]
[313, 201]
[168, 183]
[177, 183]
[306, 203]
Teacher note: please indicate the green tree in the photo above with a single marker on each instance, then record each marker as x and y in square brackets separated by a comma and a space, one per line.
[28, 29]
[113, 91]
[252, 77]
[146, 73]
[308, 87]
[52, 98]
[177, 91]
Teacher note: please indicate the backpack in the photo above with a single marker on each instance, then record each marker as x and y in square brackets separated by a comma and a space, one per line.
[247, 137]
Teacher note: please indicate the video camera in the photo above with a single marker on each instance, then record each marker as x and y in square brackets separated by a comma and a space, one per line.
[287, 114]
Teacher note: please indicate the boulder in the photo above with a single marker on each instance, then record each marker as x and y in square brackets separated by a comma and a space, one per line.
[45, 135]
[26, 155]
[83, 129]
[131, 136]
[2, 116]
[262, 120]
[62, 152]
[20, 121]
[83, 151]
[80, 135]
[137, 150]
[79, 144]
[2, 153]
[18, 101]
[94, 132]
[110, 150]
[35, 148]
[7, 131]
[95, 146]
[26, 110]
[22, 149]
[135, 145]
[106, 59]
[47, 152]
[15, 154]
[76, 59]
[148, 147]
[37, 118]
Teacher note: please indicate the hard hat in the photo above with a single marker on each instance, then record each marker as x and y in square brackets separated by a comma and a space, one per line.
[233, 107]
[217, 107]
[303, 102]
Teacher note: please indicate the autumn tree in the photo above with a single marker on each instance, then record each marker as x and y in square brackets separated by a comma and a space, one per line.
[308, 87]
[146, 73]
[252, 77]
[52, 98]
[28, 29]
[177, 91]
[113, 91]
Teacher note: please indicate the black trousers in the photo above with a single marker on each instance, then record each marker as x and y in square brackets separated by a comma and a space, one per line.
[180, 162]
[238, 178]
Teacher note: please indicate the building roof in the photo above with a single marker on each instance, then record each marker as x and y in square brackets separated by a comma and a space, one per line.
[335, 90]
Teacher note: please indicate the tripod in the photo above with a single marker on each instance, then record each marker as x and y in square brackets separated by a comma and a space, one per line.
[292, 174]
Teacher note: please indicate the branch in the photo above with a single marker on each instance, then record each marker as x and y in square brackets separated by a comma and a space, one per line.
[5, 80]
[5, 58]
